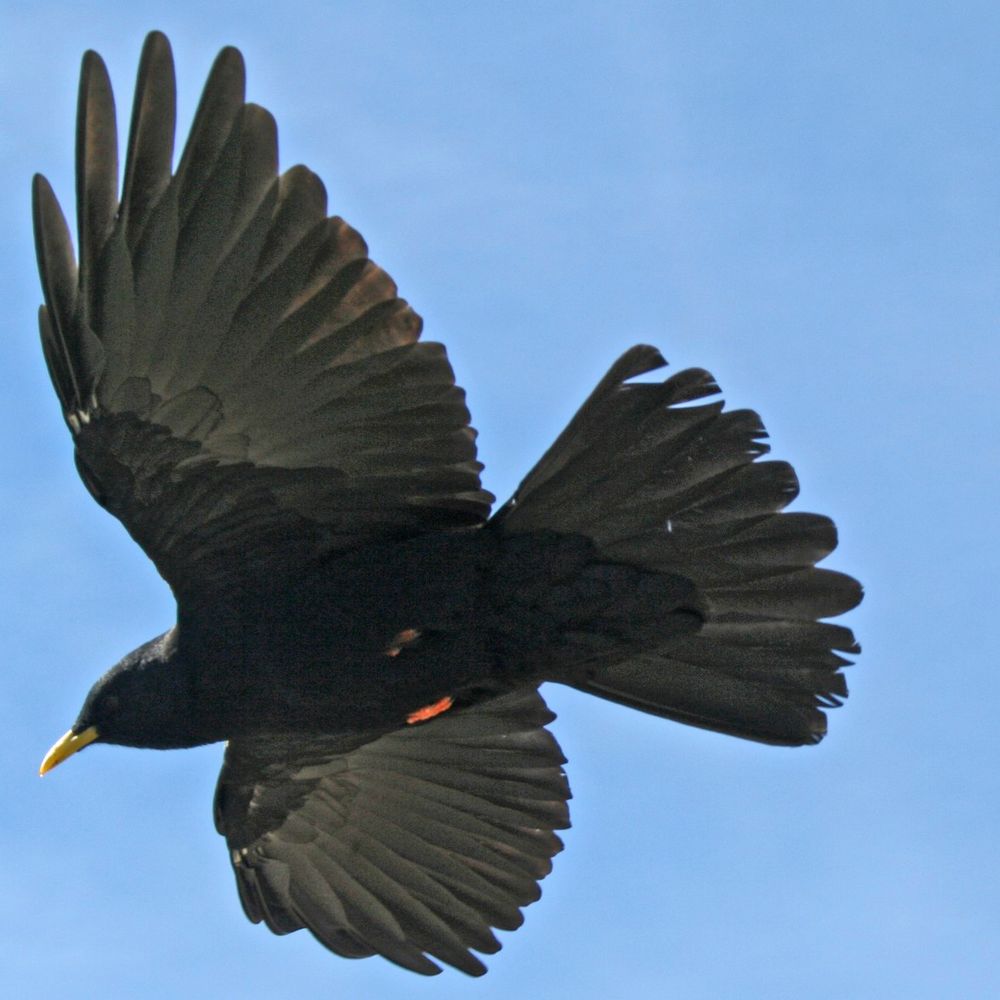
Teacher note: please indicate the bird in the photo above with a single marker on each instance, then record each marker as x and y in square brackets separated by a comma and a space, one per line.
[249, 395]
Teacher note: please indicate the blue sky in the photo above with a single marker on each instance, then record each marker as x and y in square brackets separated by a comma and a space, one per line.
[801, 197]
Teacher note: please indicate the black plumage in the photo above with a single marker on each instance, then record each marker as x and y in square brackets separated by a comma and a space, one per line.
[249, 395]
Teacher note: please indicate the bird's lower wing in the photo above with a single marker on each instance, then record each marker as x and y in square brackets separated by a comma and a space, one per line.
[412, 845]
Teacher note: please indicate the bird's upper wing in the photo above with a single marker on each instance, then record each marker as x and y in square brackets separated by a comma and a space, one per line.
[414, 844]
[244, 386]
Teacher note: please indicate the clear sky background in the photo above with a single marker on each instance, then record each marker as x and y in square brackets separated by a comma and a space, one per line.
[802, 197]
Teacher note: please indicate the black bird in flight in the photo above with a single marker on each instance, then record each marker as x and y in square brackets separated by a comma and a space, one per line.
[247, 393]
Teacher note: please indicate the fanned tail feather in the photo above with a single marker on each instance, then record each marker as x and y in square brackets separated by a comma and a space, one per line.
[678, 489]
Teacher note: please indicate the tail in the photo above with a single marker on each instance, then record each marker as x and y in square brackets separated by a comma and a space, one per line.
[676, 493]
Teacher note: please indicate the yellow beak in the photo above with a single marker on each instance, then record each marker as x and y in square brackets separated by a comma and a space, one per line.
[67, 746]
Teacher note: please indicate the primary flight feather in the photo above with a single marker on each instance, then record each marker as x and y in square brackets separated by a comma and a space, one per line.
[249, 395]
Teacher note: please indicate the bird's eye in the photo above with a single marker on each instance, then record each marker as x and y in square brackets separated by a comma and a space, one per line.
[111, 704]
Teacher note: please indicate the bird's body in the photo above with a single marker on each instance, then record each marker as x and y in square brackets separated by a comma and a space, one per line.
[359, 642]
[251, 398]
[323, 655]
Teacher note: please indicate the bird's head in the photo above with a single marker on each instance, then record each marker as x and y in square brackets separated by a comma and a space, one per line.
[142, 701]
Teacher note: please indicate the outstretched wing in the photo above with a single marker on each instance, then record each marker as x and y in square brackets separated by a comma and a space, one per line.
[414, 844]
[245, 388]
